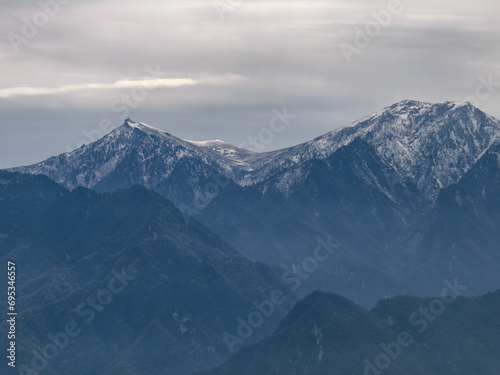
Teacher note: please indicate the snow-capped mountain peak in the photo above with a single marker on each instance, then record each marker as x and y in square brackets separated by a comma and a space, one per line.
[139, 125]
[432, 145]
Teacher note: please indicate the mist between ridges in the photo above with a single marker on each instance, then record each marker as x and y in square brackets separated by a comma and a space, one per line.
[293, 279]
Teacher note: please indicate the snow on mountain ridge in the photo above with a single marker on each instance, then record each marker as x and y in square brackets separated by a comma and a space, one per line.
[140, 125]
[431, 144]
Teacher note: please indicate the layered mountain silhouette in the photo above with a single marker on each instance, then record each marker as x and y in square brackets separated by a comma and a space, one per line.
[460, 236]
[377, 187]
[327, 334]
[432, 144]
[129, 251]
[142, 290]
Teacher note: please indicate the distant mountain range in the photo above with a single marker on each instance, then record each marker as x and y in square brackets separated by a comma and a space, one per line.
[430, 144]
[142, 291]
[377, 186]
[170, 256]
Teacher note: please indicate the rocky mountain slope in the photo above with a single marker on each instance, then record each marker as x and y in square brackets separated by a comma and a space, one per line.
[369, 185]
[146, 291]
[433, 144]
[460, 237]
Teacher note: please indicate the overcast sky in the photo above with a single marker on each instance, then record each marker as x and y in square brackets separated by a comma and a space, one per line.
[204, 69]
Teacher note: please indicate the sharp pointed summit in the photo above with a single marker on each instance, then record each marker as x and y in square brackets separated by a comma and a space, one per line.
[141, 126]
[430, 144]
[364, 184]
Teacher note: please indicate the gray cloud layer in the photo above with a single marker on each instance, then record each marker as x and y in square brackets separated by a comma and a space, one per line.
[223, 78]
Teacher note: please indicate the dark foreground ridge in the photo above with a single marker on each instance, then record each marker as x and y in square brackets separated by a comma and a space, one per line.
[119, 283]
[377, 186]
[326, 334]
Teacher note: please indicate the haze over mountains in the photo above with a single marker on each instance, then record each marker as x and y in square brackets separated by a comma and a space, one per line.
[180, 288]
[327, 334]
[396, 203]
[368, 186]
